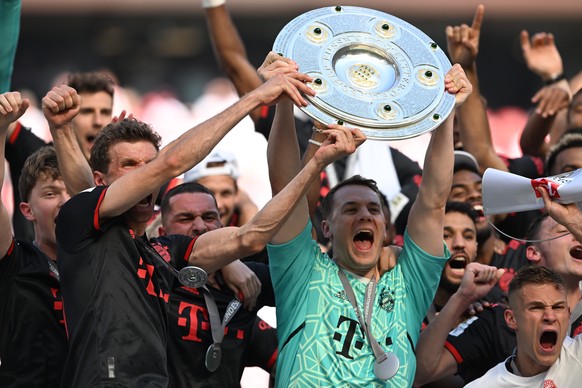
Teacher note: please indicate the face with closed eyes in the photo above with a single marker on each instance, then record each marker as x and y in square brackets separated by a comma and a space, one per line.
[356, 229]
[190, 214]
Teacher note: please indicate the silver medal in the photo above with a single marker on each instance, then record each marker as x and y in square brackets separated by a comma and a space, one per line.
[213, 356]
[387, 368]
[192, 277]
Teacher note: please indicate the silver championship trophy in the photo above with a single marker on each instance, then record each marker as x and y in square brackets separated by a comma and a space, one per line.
[371, 70]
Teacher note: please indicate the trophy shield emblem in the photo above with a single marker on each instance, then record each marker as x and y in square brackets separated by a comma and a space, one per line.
[371, 70]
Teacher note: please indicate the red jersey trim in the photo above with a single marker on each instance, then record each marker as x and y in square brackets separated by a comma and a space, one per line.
[190, 248]
[15, 134]
[96, 214]
[11, 248]
[264, 111]
[273, 359]
[454, 352]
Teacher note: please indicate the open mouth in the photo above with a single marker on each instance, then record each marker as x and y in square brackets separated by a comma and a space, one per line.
[363, 240]
[576, 252]
[90, 139]
[479, 210]
[458, 262]
[548, 340]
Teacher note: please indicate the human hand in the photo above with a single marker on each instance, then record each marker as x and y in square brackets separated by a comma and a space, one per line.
[552, 98]
[463, 41]
[12, 107]
[568, 215]
[541, 54]
[275, 64]
[60, 106]
[457, 83]
[285, 85]
[243, 282]
[341, 141]
[478, 280]
[122, 116]
[477, 307]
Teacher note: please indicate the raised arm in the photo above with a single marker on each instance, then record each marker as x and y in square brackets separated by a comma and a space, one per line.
[230, 51]
[219, 247]
[60, 106]
[425, 221]
[542, 57]
[191, 147]
[463, 48]
[12, 107]
[433, 361]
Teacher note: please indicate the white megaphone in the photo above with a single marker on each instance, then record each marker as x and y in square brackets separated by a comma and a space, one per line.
[504, 192]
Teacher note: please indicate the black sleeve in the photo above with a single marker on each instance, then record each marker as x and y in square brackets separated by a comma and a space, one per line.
[78, 221]
[267, 297]
[175, 249]
[480, 343]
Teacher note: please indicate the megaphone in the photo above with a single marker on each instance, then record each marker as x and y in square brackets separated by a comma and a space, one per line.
[504, 192]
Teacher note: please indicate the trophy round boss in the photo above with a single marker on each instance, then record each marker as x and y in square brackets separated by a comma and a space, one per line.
[371, 70]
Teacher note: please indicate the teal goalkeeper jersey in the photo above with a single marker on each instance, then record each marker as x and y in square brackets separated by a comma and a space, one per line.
[321, 343]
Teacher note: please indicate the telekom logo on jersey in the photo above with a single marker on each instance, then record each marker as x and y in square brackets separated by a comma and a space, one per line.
[146, 272]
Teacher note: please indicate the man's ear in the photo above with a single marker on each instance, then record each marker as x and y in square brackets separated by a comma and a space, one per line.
[161, 231]
[99, 178]
[325, 229]
[510, 319]
[27, 211]
[533, 254]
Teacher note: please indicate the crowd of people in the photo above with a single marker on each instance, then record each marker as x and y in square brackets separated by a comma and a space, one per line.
[382, 273]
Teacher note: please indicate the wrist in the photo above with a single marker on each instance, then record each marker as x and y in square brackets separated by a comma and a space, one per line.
[212, 3]
[554, 77]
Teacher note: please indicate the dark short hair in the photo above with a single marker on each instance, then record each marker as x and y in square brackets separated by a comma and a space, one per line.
[572, 138]
[534, 229]
[42, 164]
[184, 188]
[463, 208]
[535, 274]
[91, 82]
[126, 130]
[358, 180]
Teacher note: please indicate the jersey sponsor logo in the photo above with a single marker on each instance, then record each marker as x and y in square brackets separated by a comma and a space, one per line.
[346, 336]
[146, 272]
[196, 321]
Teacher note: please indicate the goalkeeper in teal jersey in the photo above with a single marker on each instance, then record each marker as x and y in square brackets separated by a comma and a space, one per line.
[341, 321]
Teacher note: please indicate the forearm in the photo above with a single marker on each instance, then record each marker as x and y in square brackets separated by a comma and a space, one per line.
[474, 127]
[196, 143]
[74, 167]
[283, 148]
[532, 140]
[430, 350]
[215, 249]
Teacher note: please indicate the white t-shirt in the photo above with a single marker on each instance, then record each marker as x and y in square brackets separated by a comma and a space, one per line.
[565, 372]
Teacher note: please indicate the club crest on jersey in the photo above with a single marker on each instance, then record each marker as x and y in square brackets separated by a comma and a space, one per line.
[387, 300]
